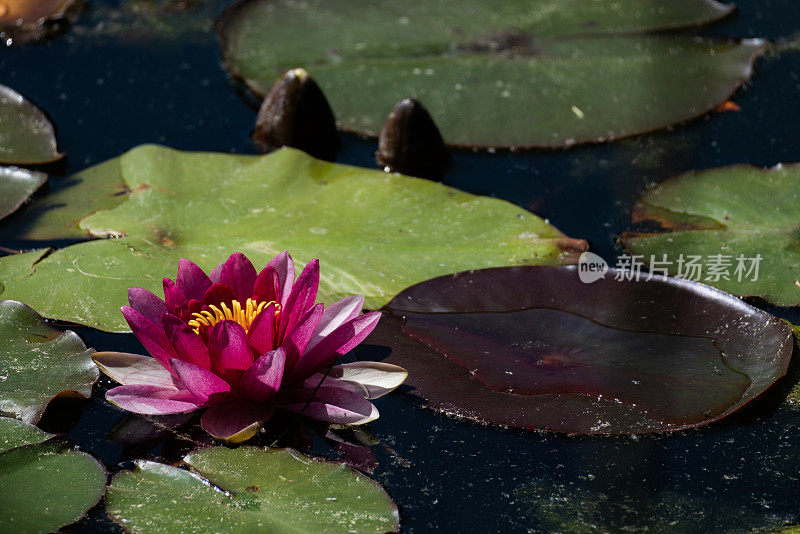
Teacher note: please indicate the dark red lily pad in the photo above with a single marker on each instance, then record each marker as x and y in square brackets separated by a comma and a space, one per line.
[534, 347]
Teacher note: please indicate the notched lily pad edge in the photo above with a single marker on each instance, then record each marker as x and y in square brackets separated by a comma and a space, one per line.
[643, 213]
[186, 466]
[66, 393]
[761, 46]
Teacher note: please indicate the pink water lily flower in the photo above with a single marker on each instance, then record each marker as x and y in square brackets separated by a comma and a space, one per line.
[239, 344]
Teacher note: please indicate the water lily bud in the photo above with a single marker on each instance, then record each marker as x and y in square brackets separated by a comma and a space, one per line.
[410, 142]
[296, 113]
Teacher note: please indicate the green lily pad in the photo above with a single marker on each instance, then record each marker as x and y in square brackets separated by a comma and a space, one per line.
[57, 214]
[550, 73]
[26, 135]
[739, 212]
[249, 490]
[46, 486]
[15, 433]
[39, 362]
[374, 233]
[16, 186]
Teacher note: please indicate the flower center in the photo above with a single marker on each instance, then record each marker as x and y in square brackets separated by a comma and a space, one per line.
[244, 315]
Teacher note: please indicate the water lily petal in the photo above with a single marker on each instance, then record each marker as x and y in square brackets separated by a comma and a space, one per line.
[334, 316]
[216, 273]
[189, 346]
[284, 266]
[235, 421]
[152, 400]
[173, 296]
[336, 344]
[151, 335]
[315, 380]
[240, 275]
[261, 334]
[376, 377]
[302, 297]
[263, 379]
[202, 383]
[267, 287]
[147, 304]
[334, 405]
[296, 339]
[217, 293]
[134, 369]
[192, 280]
[229, 351]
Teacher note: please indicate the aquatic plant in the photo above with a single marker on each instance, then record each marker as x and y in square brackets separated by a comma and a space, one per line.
[240, 344]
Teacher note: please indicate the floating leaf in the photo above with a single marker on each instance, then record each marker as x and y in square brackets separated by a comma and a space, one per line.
[374, 233]
[46, 486]
[537, 348]
[16, 186]
[38, 362]
[249, 490]
[26, 135]
[548, 74]
[15, 433]
[738, 217]
[57, 214]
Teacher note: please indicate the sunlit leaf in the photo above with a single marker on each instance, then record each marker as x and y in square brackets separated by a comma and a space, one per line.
[549, 73]
[15, 433]
[26, 135]
[374, 233]
[249, 490]
[16, 186]
[742, 219]
[39, 362]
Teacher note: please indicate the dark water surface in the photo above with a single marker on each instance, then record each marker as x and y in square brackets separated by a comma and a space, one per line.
[109, 90]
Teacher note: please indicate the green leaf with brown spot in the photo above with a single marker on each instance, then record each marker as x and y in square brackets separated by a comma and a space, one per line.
[374, 233]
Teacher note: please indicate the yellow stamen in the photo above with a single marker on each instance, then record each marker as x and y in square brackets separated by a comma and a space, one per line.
[242, 315]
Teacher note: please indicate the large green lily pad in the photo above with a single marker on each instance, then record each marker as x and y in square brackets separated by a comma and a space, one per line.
[249, 490]
[374, 233]
[16, 186]
[46, 486]
[733, 212]
[39, 362]
[26, 135]
[548, 73]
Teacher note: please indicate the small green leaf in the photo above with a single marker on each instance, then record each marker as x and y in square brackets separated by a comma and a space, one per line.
[46, 486]
[16, 433]
[16, 186]
[26, 135]
[38, 362]
[549, 73]
[736, 212]
[249, 490]
[374, 233]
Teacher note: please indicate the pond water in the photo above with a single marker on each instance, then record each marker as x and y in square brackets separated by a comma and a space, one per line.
[109, 89]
